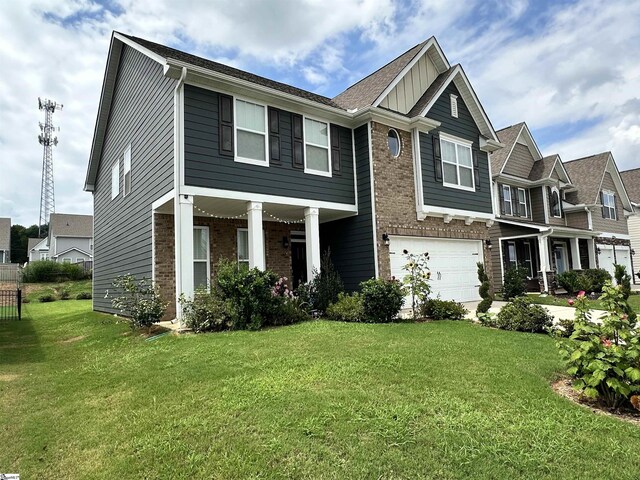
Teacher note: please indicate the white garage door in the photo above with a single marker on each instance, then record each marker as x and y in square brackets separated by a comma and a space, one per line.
[452, 263]
[606, 259]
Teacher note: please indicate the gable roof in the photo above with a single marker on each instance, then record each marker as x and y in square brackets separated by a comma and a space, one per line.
[543, 168]
[631, 180]
[5, 233]
[431, 94]
[70, 225]
[73, 249]
[32, 243]
[507, 136]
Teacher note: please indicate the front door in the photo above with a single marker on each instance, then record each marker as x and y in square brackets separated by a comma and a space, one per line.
[560, 252]
[299, 263]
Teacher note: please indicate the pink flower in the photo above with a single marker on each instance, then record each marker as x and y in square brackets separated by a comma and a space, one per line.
[571, 301]
[581, 293]
[606, 342]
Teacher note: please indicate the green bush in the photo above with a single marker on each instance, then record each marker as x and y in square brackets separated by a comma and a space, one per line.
[290, 311]
[84, 296]
[597, 278]
[348, 308]
[514, 283]
[623, 279]
[206, 312]
[139, 300]
[64, 294]
[443, 309]
[564, 328]
[484, 290]
[574, 281]
[50, 271]
[326, 285]
[382, 299]
[522, 316]
[46, 298]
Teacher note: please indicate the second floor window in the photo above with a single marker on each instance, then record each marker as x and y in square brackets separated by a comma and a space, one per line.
[457, 164]
[316, 139]
[555, 204]
[127, 171]
[251, 133]
[507, 204]
[522, 203]
[609, 205]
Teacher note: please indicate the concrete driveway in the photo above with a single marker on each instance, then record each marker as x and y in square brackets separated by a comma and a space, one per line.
[557, 312]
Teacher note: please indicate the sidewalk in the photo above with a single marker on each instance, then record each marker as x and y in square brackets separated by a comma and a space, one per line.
[557, 312]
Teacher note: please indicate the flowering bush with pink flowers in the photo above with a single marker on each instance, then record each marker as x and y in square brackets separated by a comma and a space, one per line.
[604, 358]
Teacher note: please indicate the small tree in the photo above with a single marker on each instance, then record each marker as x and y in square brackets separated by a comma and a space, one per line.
[514, 283]
[140, 300]
[326, 285]
[416, 281]
[623, 279]
[484, 290]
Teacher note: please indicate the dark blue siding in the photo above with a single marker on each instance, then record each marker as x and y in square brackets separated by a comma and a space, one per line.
[205, 167]
[464, 127]
[351, 239]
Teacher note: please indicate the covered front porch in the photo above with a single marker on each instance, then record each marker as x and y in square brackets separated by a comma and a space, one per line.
[189, 241]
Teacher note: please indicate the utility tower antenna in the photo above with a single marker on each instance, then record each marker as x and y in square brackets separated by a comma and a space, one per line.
[48, 140]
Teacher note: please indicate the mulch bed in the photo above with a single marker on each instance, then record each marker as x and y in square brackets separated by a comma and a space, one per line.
[563, 387]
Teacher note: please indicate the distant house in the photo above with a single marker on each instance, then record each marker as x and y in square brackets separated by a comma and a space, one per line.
[70, 238]
[631, 179]
[5, 240]
[37, 249]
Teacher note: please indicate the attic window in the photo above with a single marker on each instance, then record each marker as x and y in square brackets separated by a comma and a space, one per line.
[454, 105]
[393, 142]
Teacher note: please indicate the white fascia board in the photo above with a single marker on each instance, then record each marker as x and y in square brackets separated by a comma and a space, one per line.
[429, 210]
[132, 43]
[490, 146]
[511, 151]
[540, 228]
[617, 179]
[619, 236]
[397, 120]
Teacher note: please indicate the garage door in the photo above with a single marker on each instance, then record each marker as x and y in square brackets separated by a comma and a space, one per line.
[452, 263]
[606, 260]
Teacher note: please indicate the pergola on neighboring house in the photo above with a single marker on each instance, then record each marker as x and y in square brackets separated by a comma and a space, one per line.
[37, 249]
[5, 240]
[70, 238]
[631, 179]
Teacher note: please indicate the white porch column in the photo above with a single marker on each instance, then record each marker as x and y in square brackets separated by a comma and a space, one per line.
[256, 237]
[543, 251]
[183, 224]
[591, 245]
[312, 234]
[575, 254]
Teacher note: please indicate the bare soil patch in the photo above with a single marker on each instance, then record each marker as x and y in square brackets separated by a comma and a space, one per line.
[8, 377]
[73, 339]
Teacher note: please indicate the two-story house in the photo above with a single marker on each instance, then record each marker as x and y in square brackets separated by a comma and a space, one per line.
[5, 240]
[37, 249]
[193, 161]
[600, 201]
[631, 179]
[70, 238]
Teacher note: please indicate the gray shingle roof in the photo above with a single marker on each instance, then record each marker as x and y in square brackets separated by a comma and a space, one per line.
[365, 92]
[631, 180]
[508, 137]
[542, 168]
[32, 242]
[5, 233]
[431, 92]
[586, 174]
[172, 53]
[68, 225]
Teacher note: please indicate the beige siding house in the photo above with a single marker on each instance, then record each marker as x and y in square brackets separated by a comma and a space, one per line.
[631, 179]
[5, 240]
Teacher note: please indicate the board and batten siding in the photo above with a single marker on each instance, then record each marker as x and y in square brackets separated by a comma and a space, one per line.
[520, 161]
[411, 87]
[141, 115]
[634, 231]
[206, 167]
[607, 225]
[464, 127]
[350, 240]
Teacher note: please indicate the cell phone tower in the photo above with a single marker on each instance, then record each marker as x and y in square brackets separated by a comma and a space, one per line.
[48, 141]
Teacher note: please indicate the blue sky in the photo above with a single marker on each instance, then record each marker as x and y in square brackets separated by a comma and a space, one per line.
[570, 69]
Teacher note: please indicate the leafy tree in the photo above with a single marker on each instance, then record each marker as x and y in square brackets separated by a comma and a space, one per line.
[19, 241]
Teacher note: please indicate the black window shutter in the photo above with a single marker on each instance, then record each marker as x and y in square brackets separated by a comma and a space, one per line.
[274, 136]
[501, 192]
[225, 104]
[615, 210]
[297, 141]
[336, 163]
[550, 197]
[604, 215]
[437, 158]
[476, 168]
[515, 202]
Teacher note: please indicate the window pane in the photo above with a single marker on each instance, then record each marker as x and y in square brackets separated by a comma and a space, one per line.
[466, 177]
[521, 196]
[449, 173]
[316, 132]
[393, 142]
[200, 241]
[317, 158]
[506, 193]
[464, 155]
[200, 274]
[243, 246]
[249, 115]
[448, 151]
[251, 145]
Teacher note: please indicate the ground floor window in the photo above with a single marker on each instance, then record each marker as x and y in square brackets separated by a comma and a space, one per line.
[201, 268]
[243, 247]
[66, 260]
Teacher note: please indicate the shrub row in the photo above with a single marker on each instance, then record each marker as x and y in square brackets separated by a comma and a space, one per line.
[519, 315]
[589, 280]
[63, 295]
[379, 301]
[50, 271]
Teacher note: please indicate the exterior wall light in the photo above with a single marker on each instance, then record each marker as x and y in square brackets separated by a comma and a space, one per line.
[488, 244]
[385, 238]
[285, 242]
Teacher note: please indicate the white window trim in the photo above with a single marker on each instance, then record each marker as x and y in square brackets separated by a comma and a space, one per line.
[208, 260]
[526, 207]
[608, 208]
[238, 246]
[454, 105]
[66, 260]
[250, 161]
[463, 143]
[78, 260]
[508, 187]
[554, 189]
[115, 174]
[328, 147]
[127, 154]
[399, 143]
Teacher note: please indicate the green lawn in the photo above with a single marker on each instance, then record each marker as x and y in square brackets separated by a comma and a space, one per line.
[81, 397]
[634, 301]
[36, 290]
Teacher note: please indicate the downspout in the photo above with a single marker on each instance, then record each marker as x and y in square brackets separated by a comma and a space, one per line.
[544, 238]
[177, 183]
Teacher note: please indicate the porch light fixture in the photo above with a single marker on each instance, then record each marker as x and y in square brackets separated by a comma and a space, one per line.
[385, 238]
[633, 252]
[285, 242]
[488, 244]
[598, 251]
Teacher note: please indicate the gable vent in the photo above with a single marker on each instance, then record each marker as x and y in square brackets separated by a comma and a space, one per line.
[454, 105]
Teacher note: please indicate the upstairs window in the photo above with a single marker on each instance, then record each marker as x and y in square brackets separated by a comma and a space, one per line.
[316, 140]
[457, 163]
[393, 142]
[454, 105]
[127, 171]
[523, 210]
[507, 203]
[609, 205]
[555, 204]
[115, 180]
[251, 133]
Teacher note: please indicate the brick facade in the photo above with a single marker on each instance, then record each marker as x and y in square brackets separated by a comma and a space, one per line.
[223, 244]
[395, 202]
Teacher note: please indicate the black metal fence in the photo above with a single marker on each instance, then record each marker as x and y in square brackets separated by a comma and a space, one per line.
[11, 304]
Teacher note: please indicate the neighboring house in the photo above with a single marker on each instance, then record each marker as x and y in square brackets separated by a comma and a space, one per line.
[70, 238]
[193, 161]
[5, 240]
[601, 202]
[631, 179]
[536, 228]
[37, 249]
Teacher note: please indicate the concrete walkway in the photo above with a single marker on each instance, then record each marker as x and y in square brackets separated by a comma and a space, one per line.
[557, 312]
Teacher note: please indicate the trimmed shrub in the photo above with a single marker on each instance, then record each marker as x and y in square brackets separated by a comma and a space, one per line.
[522, 316]
[206, 312]
[574, 281]
[348, 308]
[484, 290]
[623, 279]
[443, 309]
[64, 294]
[597, 277]
[564, 328]
[84, 296]
[50, 271]
[46, 298]
[290, 311]
[514, 283]
[139, 300]
[382, 300]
